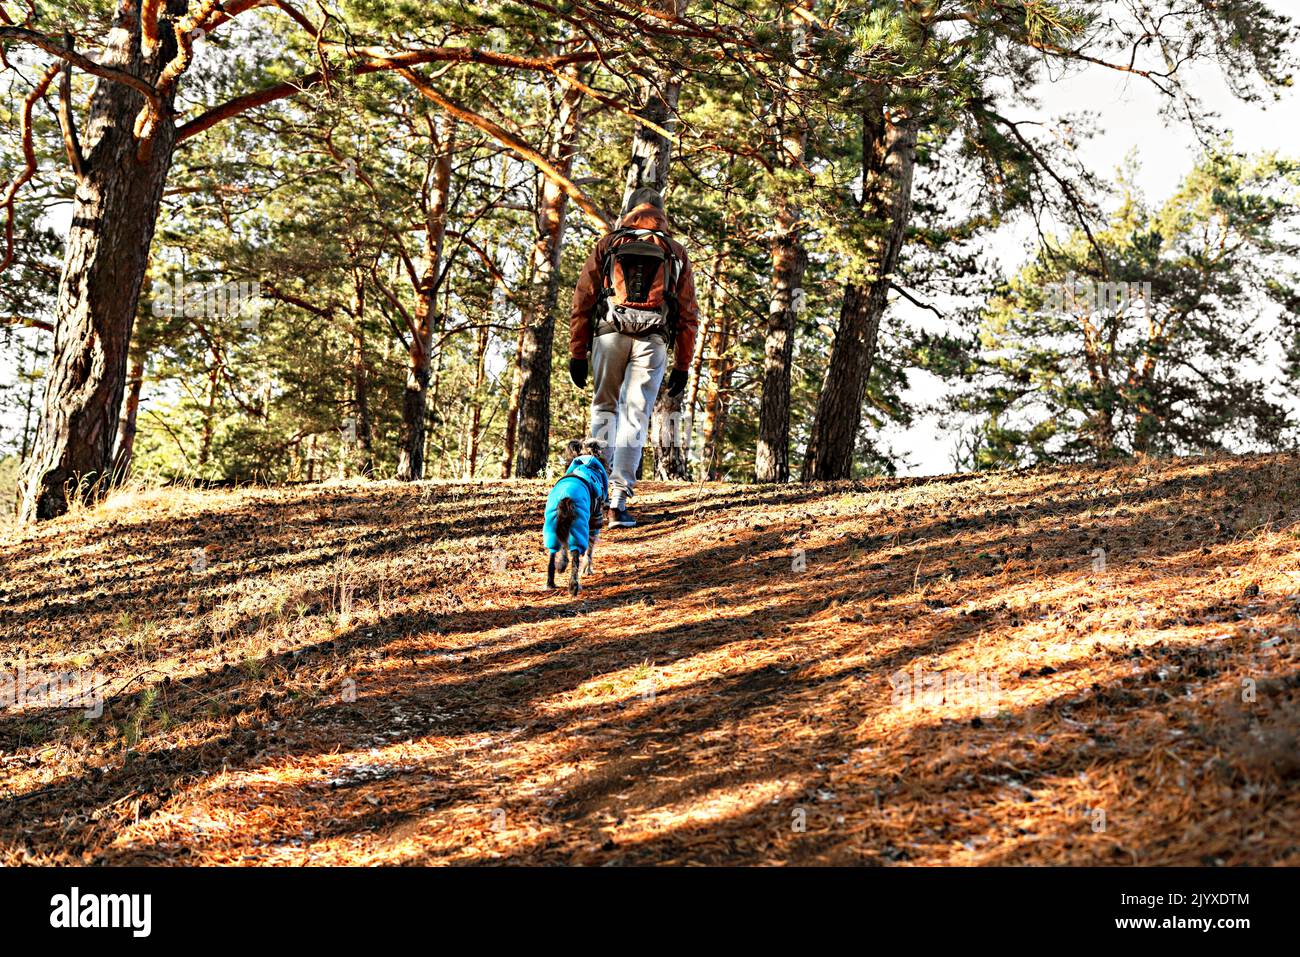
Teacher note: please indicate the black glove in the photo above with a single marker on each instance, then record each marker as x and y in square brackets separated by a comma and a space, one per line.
[578, 372]
[676, 383]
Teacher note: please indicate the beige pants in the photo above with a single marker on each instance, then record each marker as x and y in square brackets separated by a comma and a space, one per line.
[626, 374]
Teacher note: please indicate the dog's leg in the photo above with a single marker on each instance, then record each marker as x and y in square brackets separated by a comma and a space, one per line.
[573, 574]
[550, 571]
[563, 562]
[591, 553]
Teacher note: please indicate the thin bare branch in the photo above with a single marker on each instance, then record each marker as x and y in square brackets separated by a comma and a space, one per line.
[29, 160]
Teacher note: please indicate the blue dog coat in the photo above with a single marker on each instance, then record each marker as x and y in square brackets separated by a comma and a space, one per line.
[587, 484]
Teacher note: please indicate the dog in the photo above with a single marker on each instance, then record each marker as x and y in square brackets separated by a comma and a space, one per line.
[575, 510]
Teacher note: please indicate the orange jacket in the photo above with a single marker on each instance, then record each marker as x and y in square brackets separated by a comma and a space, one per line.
[587, 293]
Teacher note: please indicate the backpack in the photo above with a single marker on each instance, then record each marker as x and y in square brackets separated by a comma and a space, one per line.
[640, 274]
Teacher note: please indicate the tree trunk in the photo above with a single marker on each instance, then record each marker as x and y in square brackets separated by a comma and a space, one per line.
[209, 416]
[29, 406]
[433, 417]
[143, 339]
[512, 413]
[463, 451]
[125, 444]
[721, 367]
[671, 429]
[789, 261]
[692, 399]
[410, 463]
[704, 339]
[715, 333]
[117, 201]
[648, 166]
[363, 444]
[534, 412]
[362, 447]
[1102, 434]
[673, 419]
[311, 459]
[889, 157]
[651, 150]
[476, 418]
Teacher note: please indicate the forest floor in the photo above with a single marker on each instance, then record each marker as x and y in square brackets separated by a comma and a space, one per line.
[1068, 665]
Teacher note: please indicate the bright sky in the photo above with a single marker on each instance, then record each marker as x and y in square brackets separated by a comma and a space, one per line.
[1127, 119]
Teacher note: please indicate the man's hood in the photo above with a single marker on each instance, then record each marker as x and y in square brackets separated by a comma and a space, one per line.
[644, 216]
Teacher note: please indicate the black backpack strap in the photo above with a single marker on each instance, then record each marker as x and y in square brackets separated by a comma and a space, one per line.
[606, 285]
[670, 292]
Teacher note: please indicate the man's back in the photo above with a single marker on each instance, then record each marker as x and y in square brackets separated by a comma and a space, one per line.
[628, 339]
[587, 294]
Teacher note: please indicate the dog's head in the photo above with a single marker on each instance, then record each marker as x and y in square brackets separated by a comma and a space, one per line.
[598, 448]
[588, 446]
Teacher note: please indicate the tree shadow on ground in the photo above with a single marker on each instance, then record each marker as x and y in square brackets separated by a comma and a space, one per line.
[773, 692]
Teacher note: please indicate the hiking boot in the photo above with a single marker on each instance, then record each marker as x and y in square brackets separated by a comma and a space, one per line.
[621, 518]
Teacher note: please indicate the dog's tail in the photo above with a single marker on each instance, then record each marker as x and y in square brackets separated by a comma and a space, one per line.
[565, 515]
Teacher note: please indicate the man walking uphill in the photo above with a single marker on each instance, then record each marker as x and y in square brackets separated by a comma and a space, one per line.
[635, 300]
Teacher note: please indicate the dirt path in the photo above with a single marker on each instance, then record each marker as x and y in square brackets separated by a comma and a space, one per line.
[1067, 666]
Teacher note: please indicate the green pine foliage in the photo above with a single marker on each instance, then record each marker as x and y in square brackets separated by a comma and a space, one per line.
[317, 201]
